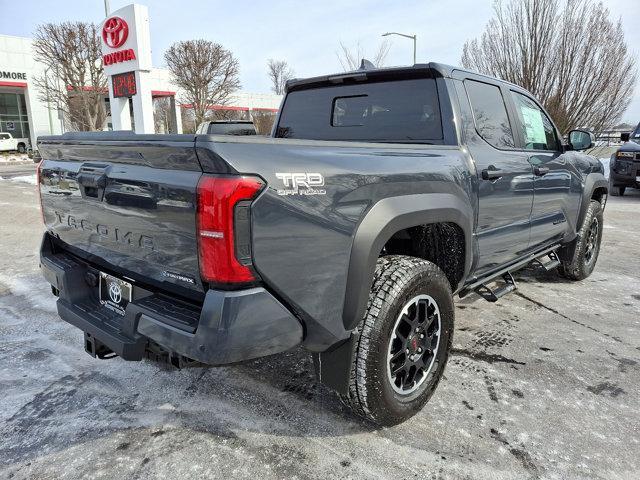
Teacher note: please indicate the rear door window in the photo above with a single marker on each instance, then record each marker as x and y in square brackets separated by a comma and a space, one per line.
[490, 113]
[537, 130]
[401, 111]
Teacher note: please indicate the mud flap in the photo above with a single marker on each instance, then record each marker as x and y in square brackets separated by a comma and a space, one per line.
[566, 252]
[333, 366]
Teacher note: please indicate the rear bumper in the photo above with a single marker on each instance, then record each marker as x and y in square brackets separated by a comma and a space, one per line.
[231, 326]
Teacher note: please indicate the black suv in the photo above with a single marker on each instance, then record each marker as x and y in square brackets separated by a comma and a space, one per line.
[624, 167]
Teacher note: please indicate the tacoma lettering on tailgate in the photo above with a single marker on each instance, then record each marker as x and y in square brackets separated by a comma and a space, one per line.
[109, 232]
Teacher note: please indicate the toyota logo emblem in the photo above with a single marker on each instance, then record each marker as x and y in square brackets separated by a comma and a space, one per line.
[115, 292]
[115, 32]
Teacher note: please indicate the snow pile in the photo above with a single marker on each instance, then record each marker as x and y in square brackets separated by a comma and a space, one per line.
[605, 164]
[30, 179]
[14, 157]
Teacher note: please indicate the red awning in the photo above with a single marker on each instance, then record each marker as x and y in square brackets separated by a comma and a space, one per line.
[232, 108]
[13, 84]
[162, 93]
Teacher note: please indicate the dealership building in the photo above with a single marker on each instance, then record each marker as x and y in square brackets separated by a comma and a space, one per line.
[25, 112]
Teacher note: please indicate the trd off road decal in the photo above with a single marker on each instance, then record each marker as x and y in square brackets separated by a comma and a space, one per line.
[301, 183]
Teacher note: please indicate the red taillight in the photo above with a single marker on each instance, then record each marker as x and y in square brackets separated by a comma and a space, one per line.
[217, 199]
[38, 192]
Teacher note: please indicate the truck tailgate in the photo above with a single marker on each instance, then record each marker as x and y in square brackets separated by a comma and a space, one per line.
[128, 206]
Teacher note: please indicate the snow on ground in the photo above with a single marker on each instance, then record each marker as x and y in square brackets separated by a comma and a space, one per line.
[14, 157]
[30, 179]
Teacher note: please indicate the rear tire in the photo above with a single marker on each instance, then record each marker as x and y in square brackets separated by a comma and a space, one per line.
[22, 148]
[403, 342]
[587, 248]
[621, 190]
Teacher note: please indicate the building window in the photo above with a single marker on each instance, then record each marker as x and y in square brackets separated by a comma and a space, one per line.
[13, 115]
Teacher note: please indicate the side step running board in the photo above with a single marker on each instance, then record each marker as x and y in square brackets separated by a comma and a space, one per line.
[547, 259]
[552, 261]
[493, 295]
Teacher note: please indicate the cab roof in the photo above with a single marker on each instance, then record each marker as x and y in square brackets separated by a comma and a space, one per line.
[425, 70]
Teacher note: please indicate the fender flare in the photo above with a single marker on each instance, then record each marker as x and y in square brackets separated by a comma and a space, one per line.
[592, 182]
[383, 220]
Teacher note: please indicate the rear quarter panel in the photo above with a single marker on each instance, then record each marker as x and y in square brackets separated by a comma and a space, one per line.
[302, 243]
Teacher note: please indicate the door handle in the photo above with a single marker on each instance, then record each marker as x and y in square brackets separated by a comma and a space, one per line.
[540, 171]
[491, 174]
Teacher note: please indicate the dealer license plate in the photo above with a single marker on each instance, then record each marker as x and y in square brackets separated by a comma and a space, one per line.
[115, 294]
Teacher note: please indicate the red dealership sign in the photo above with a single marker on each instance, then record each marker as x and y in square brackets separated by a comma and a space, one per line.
[115, 32]
[119, 56]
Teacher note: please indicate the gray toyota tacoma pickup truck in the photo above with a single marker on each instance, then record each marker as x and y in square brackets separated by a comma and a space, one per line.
[382, 194]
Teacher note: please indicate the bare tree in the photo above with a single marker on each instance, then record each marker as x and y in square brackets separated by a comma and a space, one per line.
[187, 118]
[351, 58]
[263, 121]
[162, 114]
[73, 79]
[229, 114]
[568, 53]
[279, 72]
[206, 72]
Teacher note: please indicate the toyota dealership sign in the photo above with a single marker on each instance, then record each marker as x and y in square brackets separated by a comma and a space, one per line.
[126, 40]
[115, 32]
[126, 57]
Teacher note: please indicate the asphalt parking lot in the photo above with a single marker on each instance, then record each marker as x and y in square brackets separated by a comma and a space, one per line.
[543, 384]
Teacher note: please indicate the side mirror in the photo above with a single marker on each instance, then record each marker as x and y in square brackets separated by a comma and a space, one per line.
[624, 137]
[581, 139]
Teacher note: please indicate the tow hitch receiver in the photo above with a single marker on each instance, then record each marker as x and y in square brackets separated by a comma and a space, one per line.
[97, 349]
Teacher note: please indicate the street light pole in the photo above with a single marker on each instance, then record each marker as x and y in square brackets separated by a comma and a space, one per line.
[58, 108]
[107, 8]
[46, 76]
[412, 37]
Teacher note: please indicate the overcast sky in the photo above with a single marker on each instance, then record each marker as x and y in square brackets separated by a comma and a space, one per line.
[306, 34]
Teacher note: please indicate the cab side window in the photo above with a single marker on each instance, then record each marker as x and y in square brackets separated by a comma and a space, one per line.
[537, 130]
[490, 113]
